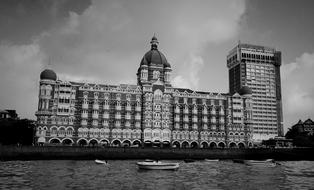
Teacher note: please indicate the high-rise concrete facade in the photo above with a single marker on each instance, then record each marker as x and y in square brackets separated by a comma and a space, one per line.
[258, 67]
[149, 113]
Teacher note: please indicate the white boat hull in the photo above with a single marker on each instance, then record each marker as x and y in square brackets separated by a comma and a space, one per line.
[157, 166]
[211, 160]
[268, 163]
[100, 162]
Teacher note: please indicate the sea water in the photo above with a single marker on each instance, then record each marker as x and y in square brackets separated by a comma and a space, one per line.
[124, 174]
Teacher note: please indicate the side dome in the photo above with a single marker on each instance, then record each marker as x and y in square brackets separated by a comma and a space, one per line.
[167, 65]
[245, 90]
[48, 74]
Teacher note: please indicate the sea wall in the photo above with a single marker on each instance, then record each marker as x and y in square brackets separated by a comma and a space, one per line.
[89, 153]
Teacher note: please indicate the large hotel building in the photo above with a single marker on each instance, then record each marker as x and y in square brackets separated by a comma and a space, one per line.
[258, 68]
[149, 113]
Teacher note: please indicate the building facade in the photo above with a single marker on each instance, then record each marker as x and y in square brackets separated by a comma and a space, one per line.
[305, 127]
[150, 113]
[258, 68]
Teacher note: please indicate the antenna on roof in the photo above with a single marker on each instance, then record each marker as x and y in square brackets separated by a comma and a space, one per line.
[239, 42]
[48, 65]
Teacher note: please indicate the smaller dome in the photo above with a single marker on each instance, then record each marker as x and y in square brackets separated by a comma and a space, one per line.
[167, 64]
[154, 38]
[48, 74]
[245, 90]
[144, 61]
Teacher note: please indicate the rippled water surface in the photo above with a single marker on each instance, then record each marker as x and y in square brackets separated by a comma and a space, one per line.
[124, 174]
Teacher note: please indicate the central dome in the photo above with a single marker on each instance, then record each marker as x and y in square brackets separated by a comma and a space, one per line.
[154, 56]
[48, 74]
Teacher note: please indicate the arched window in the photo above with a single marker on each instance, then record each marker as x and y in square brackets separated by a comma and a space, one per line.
[157, 95]
[156, 74]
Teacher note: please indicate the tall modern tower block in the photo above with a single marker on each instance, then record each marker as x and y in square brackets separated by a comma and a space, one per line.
[258, 67]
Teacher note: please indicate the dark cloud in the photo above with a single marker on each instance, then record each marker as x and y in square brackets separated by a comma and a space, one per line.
[22, 20]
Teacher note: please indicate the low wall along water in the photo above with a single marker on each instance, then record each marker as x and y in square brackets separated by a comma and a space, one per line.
[89, 153]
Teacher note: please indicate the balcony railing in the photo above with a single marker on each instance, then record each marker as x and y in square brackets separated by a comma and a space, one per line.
[83, 122]
[85, 106]
[96, 106]
[127, 124]
[177, 110]
[106, 116]
[137, 117]
[105, 123]
[138, 125]
[213, 112]
[84, 115]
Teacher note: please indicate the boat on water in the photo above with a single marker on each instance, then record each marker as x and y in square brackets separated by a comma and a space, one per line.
[211, 160]
[268, 162]
[101, 161]
[157, 165]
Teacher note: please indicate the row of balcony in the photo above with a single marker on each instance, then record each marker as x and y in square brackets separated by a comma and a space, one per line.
[106, 107]
[106, 116]
[205, 112]
[195, 120]
[195, 127]
[105, 123]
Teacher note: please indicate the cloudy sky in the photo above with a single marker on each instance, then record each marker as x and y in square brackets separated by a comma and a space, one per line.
[104, 41]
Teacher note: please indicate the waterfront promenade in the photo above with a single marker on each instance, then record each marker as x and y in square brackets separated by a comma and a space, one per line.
[113, 153]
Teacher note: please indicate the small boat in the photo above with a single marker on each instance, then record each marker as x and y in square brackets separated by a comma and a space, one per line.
[101, 161]
[211, 160]
[157, 165]
[268, 162]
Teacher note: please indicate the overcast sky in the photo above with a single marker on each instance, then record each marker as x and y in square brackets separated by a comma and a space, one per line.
[104, 41]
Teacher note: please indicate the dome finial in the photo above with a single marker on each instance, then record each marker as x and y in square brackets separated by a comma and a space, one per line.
[154, 42]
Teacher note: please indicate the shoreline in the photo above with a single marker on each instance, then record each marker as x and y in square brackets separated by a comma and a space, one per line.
[114, 153]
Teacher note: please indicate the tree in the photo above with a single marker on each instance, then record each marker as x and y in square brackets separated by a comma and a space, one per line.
[17, 132]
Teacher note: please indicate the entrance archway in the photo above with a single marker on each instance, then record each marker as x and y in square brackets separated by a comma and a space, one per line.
[82, 142]
[93, 142]
[175, 144]
[136, 143]
[126, 143]
[104, 142]
[185, 144]
[233, 145]
[241, 145]
[67, 142]
[194, 145]
[55, 141]
[204, 145]
[116, 143]
[212, 145]
[221, 145]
